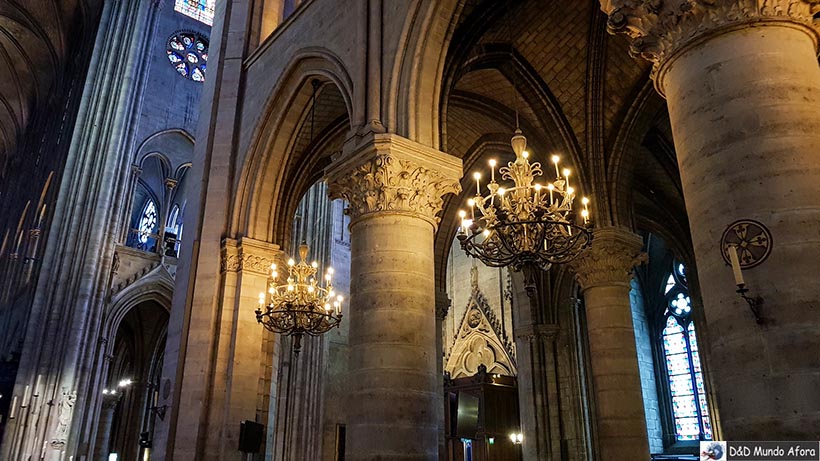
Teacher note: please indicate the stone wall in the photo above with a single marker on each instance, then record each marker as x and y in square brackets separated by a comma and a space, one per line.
[646, 366]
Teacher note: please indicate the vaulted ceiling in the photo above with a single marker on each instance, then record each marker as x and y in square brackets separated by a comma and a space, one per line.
[36, 40]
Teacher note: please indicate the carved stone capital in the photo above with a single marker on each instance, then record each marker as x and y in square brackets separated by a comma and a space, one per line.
[249, 255]
[658, 29]
[389, 174]
[610, 259]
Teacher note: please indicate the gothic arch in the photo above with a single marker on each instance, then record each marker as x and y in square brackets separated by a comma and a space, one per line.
[263, 181]
[426, 41]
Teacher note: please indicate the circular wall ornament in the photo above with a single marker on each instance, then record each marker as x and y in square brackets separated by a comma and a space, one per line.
[188, 53]
[753, 241]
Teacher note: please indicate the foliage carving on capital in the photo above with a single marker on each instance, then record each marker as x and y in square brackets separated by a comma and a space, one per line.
[237, 257]
[388, 183]
[658, 28]
[609, 260]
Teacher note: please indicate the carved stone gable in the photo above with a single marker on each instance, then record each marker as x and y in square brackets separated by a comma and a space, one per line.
[480, 342]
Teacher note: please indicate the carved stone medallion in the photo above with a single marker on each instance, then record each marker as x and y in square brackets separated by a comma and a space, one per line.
[753, 241]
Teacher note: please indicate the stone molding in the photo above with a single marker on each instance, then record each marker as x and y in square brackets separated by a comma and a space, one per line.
[610, 259]
[389, 174]
[547, 332]
[658, 29]
[249, 255]
[443, 304]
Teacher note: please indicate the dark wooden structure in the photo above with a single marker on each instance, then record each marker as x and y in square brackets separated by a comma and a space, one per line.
[481, 412]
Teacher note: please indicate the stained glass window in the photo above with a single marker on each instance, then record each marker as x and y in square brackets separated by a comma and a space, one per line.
[201, 10]
[690, 409]
[148, 221]
[188, 54]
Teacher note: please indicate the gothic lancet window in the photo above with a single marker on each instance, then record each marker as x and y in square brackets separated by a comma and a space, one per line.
[188, 54]
[690, 410]
[201, 10]
[148, 222]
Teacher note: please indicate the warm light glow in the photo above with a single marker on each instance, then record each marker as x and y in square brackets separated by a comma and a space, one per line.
[566, 172]
[330, 270]
[471, 202]
[550, 186]
[585, 201]
[291, 262]
[462, 214]
[525, 154]
[273, 267]
[501, 191]
[492, 162]
[476, 175]
[538, 187]
[314, 264]
[585, 213]
[570, 191]
[556, 159]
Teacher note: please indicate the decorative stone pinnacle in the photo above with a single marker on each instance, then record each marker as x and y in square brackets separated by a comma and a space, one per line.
[657, 29]
[610, 259]
[390, 174]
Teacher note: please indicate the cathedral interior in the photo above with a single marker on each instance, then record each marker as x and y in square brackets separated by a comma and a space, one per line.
[178, 178]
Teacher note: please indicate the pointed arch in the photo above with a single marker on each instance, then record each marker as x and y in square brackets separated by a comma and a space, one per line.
[267, 175]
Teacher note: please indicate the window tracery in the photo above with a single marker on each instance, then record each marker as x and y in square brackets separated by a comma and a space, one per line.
[690, 409]
[148, 221]
[188, 54]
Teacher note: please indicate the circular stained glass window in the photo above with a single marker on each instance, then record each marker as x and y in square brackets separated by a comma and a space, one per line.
[188, 53]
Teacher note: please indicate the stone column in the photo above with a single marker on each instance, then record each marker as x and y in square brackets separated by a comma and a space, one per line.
[743, 90]
[537, 377]
[443, 303]
[170, 185]
[103, 443]
[604, 272]
[239, 385]
[395, 188]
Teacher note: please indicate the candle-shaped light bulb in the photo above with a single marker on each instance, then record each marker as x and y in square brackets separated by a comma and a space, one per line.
[550, 187]
[291, 262]
[537, 188]
[585, 215]
[274, 274]
[314, 264]
[327, 277]
[501, 191]
[555, 160]
[340, 298]
[477, 177]
[492, 170]
[327, 307]
[566, 174]
[273, 267]
[271, 290]
[471, 202]
[585, 201]
[261, 298]
[570, 192]
[330, 270]
[525, 154]
[462, 214]
[736, 265]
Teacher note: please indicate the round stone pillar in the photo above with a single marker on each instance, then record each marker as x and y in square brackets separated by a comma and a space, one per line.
[604, 271]
[394, 188]
[743, 88]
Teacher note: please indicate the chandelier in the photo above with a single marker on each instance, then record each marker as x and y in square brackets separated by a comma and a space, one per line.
[529, 225]
[300, 305]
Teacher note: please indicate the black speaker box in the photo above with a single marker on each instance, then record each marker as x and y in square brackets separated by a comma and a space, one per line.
[250, 436]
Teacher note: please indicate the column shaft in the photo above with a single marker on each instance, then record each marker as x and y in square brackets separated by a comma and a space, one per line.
[394, 391]
[745, 110]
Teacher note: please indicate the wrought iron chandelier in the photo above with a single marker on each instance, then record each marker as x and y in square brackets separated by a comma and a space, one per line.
[300, 306]
[529, 225]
